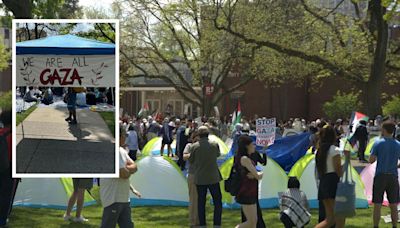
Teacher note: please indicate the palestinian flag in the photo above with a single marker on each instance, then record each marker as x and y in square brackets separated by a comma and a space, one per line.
[355, 119]
[238, 115]
[233, 120]
[144, 111]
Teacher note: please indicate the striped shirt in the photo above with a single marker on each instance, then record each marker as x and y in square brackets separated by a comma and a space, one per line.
[294, 204]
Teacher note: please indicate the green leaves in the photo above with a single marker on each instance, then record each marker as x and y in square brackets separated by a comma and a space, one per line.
[342, 105]
[392, 107]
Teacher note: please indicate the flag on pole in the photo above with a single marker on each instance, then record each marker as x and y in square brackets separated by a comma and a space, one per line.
[238, 115]
[355, 119]
[143, 111]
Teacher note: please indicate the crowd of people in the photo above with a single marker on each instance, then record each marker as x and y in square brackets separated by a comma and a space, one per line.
[194, 147]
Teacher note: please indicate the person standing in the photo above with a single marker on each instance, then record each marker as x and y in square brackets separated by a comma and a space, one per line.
[386, 151]
[132, 141]
[8, 185]
[167, 137]
[204, 155]
[114, 192]
[328, 164]
[78, 197]
[182, 139]
[247, 196]
[361, 135]
[193, 213]
[71, 105]
[256, 157]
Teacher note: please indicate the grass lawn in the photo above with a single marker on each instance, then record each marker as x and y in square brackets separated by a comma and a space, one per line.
[164, 217]
[109, 118]
[22, 116]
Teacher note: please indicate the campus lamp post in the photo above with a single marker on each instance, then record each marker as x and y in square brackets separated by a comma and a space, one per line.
[204, 78]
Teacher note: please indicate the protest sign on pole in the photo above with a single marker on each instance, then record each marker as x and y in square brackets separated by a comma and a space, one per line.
[265, 130]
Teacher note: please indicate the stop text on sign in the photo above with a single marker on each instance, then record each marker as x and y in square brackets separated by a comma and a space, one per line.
[265, 131]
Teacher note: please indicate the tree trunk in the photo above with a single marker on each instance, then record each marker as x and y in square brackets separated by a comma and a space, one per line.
[22, 9]
[373, 88]
[307, 85]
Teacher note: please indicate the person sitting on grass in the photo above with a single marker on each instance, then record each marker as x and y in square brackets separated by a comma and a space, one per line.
[294, 205]
[114, 192]
[30, 95]
[386, 151]
[78, 197]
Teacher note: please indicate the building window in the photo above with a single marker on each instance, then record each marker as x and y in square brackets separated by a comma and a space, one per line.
[175, 107]
[154, 104]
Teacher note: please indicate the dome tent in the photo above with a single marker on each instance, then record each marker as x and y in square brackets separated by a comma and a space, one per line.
[50, 193]
[153, 147]
[161, 183]
[274, 181]
[304, 170]
[367, 176]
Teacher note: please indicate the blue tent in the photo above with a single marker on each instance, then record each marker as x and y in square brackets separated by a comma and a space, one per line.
[285, 151]
[65, 45]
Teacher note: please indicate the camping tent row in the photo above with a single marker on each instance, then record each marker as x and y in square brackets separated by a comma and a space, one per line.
[153, 147]
[162, 183]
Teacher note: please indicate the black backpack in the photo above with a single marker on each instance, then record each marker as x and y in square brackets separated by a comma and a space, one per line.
[4, 160]
[232, 184]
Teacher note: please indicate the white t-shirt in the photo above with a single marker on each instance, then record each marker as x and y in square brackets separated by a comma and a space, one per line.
[115, 190]
[333, 151]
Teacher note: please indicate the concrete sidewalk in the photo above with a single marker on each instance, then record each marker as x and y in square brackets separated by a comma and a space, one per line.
[51, 145]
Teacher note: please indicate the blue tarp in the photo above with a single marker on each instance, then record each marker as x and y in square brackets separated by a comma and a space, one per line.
[285, 151]
[65, 45]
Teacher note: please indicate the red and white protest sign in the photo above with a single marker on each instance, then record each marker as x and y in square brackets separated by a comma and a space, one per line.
[265, 131]
[66, 70]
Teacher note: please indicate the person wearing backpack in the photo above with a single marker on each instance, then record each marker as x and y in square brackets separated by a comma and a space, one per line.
[8, 185]
[262, 159]
[247, 196]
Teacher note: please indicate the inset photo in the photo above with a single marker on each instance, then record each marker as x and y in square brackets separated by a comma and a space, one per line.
[65, 96]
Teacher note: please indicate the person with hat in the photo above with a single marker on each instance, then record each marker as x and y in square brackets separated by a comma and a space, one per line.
[203, 157]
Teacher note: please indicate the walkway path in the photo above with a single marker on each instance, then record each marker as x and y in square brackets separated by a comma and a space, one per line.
[46, 143]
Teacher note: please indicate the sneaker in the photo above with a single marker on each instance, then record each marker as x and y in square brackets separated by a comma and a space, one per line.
[68, 119]
[73, 122]
[67, 218]
[80, 219]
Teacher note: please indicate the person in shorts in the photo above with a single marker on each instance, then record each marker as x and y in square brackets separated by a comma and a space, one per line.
[386, 151]
[78, 197]
[247, 196]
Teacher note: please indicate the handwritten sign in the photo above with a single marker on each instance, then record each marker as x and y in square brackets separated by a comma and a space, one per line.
[66, 70]
[265, 131]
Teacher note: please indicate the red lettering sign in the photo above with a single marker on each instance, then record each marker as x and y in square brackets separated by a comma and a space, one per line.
[47, 76]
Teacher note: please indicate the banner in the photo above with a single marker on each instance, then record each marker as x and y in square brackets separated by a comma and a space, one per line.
[65, 70]
[265, 129]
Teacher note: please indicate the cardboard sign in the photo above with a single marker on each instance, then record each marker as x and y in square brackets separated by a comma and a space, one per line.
[66, 70]
[265, 131]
